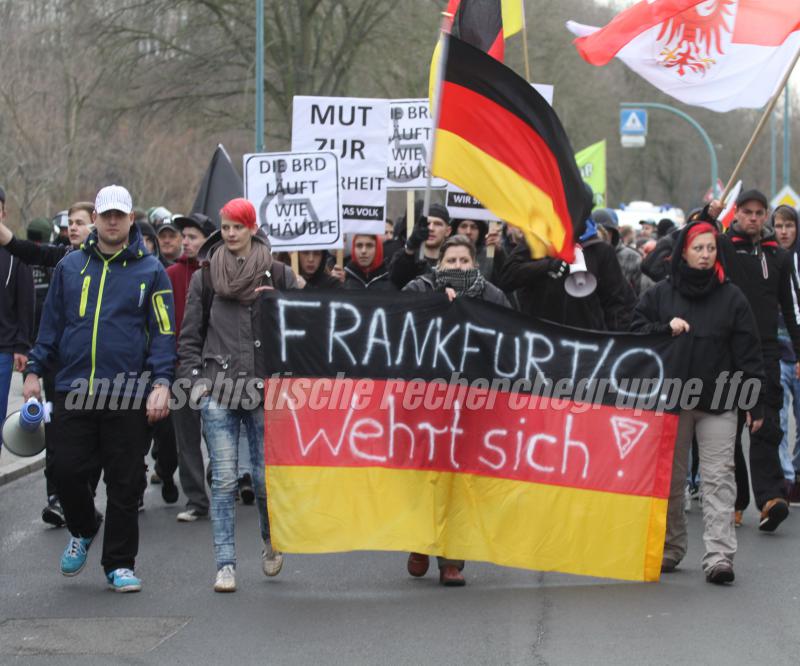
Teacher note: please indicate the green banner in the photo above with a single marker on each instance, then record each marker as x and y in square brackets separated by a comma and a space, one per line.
[592, 163]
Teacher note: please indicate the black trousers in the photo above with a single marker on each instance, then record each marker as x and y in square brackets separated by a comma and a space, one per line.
[165, 449]
[116, 441]
[765, 462]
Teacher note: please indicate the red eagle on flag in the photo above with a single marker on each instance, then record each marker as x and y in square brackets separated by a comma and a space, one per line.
[718, 54]
[692, 39]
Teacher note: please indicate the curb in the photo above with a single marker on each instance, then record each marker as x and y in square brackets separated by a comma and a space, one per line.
[20, 468]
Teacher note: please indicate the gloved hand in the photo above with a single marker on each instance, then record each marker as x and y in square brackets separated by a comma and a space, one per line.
[558, 268]
[419, 235]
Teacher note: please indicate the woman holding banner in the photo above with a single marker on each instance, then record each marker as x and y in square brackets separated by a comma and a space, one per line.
[219, 341]
[457, 275]
[718, 329]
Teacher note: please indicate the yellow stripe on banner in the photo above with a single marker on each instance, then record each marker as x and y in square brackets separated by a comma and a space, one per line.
[464, 516]
[502, 190]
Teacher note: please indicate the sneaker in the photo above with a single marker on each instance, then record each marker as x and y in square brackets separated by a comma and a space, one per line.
[687, 500]
[123, 580]
[794, 494]
[169, 491]
[246, 491]
[226, 579]
[773, 514]
[191, 515]
[53, 514]
[720, 574]
[738, 518]
[73, 559]
[271, 560]
[450, 576]
[418, 564]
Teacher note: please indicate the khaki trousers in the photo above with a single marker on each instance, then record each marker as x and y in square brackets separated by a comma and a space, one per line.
[716, 434]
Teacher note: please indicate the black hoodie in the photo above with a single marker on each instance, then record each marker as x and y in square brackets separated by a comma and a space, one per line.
[723, 335]
[763, 271]
[16, 305]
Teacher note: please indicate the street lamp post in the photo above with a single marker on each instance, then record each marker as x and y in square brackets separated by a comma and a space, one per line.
[259, 76]
[671, 109]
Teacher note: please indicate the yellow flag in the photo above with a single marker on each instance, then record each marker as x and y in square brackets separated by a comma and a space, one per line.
[513, 17]
[592, 164]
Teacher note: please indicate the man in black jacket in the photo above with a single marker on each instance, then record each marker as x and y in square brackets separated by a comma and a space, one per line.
[763, 271]
[421, 251]
[16, 316]
[541, 287]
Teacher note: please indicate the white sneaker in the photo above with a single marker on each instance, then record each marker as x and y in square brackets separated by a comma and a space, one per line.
[226, 579]
[687, 500]
[271, 560]
[190, 515]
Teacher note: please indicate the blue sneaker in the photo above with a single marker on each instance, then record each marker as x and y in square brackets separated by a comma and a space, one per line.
[74, 557]
[123, 580]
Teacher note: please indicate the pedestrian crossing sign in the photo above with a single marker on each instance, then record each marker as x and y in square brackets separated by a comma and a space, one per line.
[633, 122]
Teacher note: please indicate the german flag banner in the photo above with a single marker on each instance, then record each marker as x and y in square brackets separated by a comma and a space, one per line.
[468, 431]
[498, 139]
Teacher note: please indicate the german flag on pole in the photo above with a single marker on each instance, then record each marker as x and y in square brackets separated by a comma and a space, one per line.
[499, 140]
[486, 24]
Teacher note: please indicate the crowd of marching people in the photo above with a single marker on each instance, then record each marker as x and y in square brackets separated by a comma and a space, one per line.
[106, 289]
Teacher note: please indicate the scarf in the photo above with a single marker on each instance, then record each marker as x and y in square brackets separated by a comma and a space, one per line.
[236, 278]
[695, 283]
[465, 283]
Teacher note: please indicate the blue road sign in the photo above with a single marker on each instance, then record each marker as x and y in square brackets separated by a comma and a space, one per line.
[633, 122]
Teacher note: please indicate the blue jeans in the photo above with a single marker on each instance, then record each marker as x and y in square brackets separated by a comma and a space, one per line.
[791, 400]
[221, 428]
[6, 370]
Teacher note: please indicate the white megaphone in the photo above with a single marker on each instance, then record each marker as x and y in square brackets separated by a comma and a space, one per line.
[23, 430]
[580, 283]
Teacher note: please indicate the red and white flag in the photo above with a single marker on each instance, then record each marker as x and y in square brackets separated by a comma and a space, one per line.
[727, 215]
[718, 54]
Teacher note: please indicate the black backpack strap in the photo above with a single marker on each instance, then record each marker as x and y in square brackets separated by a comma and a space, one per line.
[278, 275]
[206, 297]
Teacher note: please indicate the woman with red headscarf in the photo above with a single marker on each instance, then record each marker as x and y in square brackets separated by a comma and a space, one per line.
[714, 322]
[366, 268]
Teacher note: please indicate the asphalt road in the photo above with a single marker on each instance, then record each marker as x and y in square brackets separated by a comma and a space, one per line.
[362, 608]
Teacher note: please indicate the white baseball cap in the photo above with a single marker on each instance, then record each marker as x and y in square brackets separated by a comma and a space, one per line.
[113, 197]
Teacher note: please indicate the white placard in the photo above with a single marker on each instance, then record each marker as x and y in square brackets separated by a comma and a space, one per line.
[296, 196]
[464, 206]
[355, 130]
[410, 137]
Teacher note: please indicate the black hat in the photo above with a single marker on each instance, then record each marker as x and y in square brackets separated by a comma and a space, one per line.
[752, 195]
[197, 220]
[605, 217]
[665, 227]
[2, 195]
[437, 210]
[166, 223]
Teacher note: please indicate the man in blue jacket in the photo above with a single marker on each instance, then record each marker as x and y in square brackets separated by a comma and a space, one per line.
[108, 327]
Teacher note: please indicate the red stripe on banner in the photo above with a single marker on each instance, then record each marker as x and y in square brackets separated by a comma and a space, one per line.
[600, 47]
[498, 49]
[765, 22]
[330, 422]
[506, 137]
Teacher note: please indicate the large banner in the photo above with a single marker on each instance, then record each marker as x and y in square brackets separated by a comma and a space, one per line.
[468, 431]
[296, 197]
[592, 163]
[355, 130]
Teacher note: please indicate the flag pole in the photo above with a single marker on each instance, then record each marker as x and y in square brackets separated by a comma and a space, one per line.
[525, 45]
[444, 42]
[761, 124]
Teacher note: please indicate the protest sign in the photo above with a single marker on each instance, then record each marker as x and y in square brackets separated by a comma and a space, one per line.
[296, 196]
[468, 431]
[464, 206]
[354, 130]
[409, 146]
